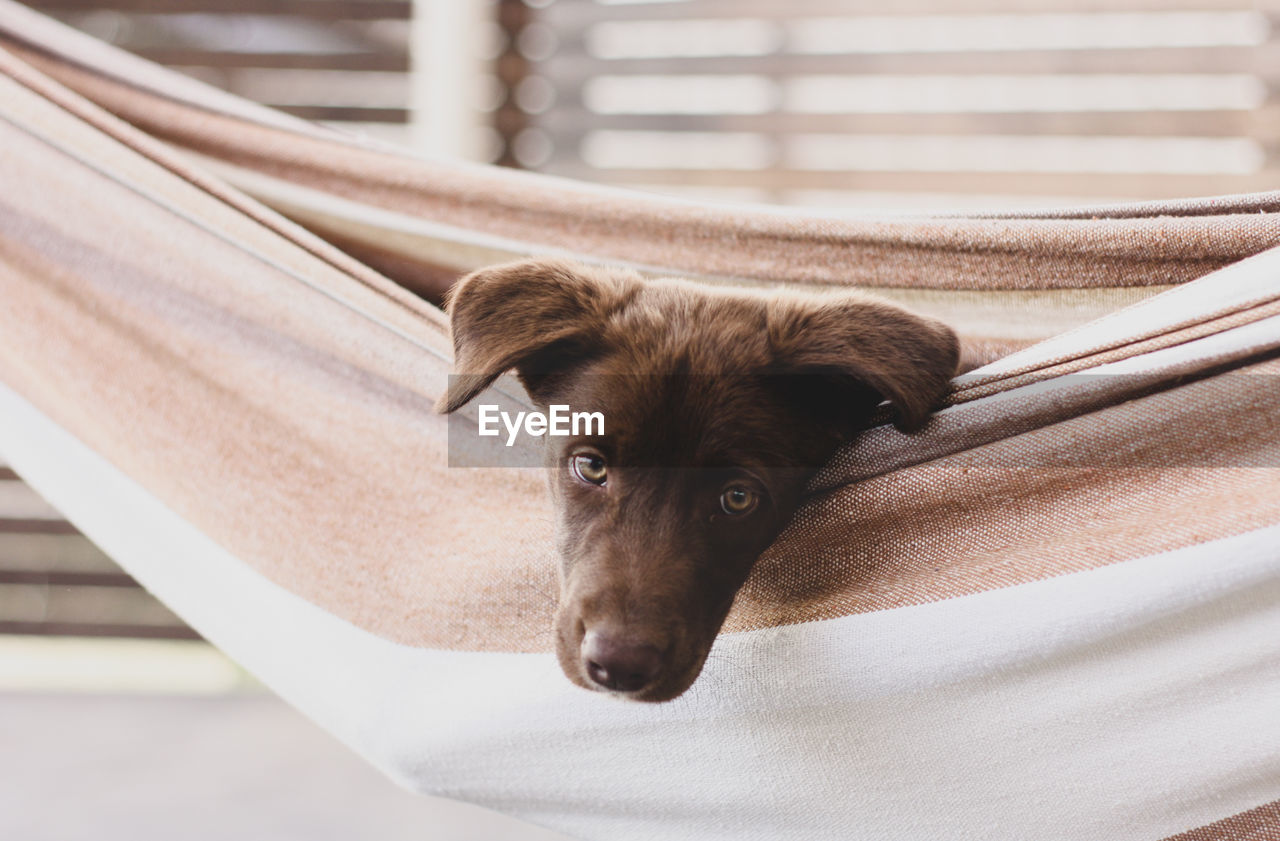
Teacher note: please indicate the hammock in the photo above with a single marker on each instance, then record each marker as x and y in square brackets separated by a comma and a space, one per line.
[1055, 613]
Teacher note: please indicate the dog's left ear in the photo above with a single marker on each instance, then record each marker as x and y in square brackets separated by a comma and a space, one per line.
[531, 315]
[907, 358]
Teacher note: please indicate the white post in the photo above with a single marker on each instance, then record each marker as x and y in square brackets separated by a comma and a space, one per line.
[451, 75]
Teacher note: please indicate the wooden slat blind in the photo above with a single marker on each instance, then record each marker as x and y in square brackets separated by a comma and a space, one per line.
[53, 581]
[343, 61]
[819, 101]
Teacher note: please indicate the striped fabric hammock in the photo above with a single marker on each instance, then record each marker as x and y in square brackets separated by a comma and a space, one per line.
[1054, 614]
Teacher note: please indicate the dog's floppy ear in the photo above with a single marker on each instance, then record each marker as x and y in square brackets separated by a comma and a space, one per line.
[907, 358]
[505, 316]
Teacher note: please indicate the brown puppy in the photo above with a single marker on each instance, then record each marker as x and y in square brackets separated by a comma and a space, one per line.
[718, 406]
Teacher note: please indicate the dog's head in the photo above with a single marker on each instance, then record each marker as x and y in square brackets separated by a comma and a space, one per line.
[718, 406]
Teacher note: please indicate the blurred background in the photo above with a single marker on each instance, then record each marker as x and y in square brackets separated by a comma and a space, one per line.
[118, 722]
[834, 103]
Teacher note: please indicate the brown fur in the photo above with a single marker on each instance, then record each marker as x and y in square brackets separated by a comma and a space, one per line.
[700, 388]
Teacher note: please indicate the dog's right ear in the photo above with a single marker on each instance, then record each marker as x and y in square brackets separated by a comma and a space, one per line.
[525, 315]
[908, 359]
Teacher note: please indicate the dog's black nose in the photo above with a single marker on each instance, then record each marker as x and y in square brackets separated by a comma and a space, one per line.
[620, 665]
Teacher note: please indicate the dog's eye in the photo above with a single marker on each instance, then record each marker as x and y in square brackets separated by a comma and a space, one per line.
[589, 467]
[737, 500]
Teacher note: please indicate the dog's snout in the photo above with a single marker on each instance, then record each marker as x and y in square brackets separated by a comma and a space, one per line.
[619, 664]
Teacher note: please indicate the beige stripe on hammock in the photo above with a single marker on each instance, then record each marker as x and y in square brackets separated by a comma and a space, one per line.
[1260, 824]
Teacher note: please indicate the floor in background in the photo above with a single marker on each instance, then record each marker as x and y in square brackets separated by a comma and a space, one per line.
[127, 767]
